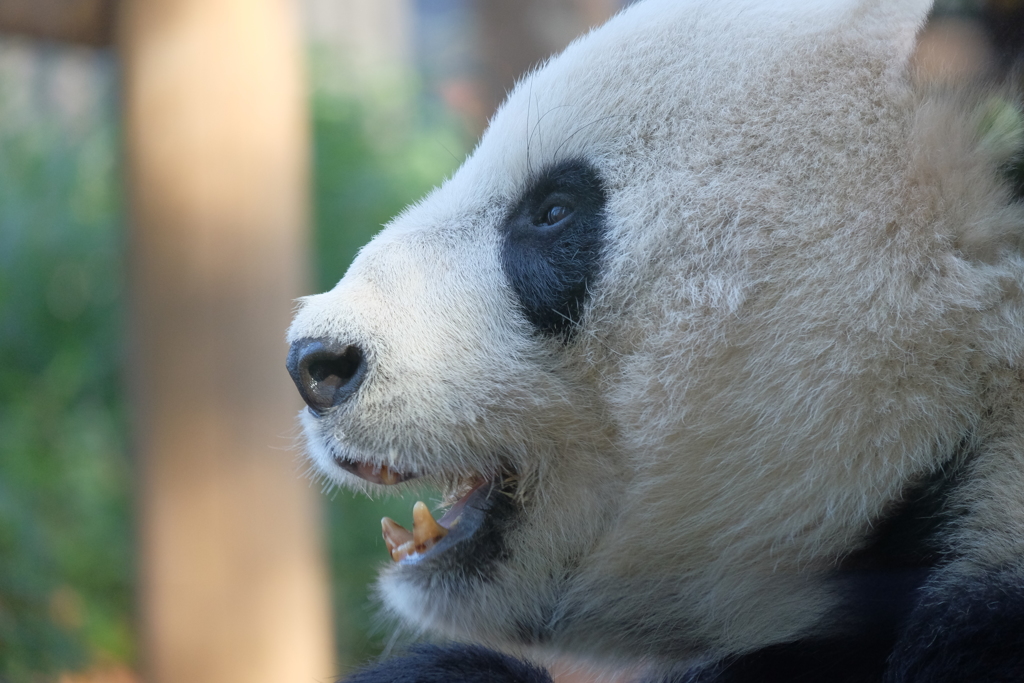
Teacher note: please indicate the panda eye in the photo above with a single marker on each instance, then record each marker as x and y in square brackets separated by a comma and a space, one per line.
[554, 215]
[552, 241]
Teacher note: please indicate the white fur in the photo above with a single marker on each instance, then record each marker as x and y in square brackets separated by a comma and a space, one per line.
[811, 292]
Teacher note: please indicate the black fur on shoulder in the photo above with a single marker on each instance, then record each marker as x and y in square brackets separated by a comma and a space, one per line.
[970, 631]
[451, 664]
[860, 660]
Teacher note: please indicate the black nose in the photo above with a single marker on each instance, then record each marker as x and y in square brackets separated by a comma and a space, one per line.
[325, 373]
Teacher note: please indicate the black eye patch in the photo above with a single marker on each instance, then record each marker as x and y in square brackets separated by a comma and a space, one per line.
[551, 245]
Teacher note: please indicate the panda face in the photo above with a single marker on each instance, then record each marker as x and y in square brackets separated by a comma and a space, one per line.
[675, 336]
[451, 354]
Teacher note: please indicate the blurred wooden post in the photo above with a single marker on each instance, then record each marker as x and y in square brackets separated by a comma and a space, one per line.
[232, 581]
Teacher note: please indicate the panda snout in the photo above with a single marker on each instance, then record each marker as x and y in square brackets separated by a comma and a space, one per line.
[325, 372]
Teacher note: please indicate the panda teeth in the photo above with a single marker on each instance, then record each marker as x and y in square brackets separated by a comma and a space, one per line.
[389, 477]
[425, 533]
[398, 539]
[375, 474]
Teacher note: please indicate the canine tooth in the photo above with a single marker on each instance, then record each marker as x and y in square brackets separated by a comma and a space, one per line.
[425, 531]
[389, 476]
[398, 539]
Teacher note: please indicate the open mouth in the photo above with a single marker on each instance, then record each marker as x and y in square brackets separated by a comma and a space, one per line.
[479, 510]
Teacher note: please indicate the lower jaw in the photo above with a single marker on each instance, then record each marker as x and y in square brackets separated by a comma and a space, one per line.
[477, 525]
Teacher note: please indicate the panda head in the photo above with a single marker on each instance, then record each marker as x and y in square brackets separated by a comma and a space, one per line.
[671, 337]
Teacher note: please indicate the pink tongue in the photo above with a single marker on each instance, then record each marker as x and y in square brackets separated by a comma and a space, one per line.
[455, 510]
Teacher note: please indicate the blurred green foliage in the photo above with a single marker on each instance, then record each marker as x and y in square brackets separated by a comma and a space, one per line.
[65, 530]
[370, 160]
[66, 569]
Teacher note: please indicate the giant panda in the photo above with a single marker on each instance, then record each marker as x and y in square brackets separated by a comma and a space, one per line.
[715, 343]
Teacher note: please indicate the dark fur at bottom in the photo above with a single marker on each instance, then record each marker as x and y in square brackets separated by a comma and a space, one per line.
[973, 632]
[855, 661]
[451, 664]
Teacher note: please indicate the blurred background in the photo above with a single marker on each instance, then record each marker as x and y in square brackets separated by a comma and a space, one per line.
[173, 174]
